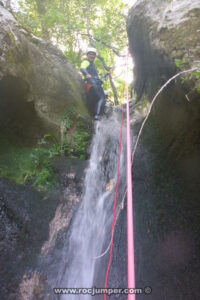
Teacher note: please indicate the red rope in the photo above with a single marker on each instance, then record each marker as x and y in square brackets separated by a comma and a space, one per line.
[115, 203]
[130, 237]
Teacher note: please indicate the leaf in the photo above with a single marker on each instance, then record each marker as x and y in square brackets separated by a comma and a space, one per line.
[180, 63]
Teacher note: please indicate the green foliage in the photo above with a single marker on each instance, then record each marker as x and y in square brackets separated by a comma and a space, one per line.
[198, 89]
[69, 117]
[33, 166]
[30, 165]
[185, 79]
[81, 140]
[76, 136]
[27, 166]
[180, 63]
[196, 76]
[67, 25]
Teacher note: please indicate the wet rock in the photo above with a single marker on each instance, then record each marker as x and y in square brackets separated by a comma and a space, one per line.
[166, 168]
[33, 232]
[37, 84]
[24, 219]
[160, 32]
[32, 287]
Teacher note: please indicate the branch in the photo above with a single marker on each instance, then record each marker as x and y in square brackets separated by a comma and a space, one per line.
[8, 4]
[111, 80]
[88, 20]
[41, 9]
[114, 49]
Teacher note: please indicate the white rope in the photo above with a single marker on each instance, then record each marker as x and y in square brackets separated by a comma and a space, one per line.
[137, 140]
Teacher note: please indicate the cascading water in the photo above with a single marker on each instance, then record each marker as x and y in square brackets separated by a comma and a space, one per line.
[91, 227]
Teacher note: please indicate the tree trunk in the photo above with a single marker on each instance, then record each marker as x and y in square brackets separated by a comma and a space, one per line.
[41, 8]
[88, 21]
[114, 90]
[8, 4]
[111, 80]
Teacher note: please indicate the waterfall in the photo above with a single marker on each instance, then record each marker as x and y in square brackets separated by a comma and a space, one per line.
[91, 227]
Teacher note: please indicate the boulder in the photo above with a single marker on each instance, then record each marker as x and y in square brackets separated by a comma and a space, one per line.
[33, 231]
[162, 34]
[38, 87]
[24, 218]
[164, 40]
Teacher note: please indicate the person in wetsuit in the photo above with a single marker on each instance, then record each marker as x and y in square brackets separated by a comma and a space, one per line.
[90, 73]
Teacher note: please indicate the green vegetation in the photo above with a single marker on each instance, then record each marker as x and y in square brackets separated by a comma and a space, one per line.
[72, 25]
[33, 165]
[27, 166]
[180, 63]
[196, 76]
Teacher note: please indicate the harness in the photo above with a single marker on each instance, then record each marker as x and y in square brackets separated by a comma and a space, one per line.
[92, 70]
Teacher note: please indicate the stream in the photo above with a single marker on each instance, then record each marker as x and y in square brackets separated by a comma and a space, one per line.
[91, 226]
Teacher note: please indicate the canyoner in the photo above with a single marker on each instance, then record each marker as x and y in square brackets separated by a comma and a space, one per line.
[105, 186]
[95, 94]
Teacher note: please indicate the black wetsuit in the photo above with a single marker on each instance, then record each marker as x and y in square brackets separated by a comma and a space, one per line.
[88, 68]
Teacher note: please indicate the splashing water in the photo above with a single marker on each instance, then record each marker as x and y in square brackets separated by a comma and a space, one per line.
[91, 227]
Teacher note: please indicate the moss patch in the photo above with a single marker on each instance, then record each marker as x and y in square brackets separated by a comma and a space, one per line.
[33, 165]
[30, 166]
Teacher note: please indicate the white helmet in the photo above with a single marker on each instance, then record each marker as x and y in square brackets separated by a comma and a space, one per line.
[92, 50]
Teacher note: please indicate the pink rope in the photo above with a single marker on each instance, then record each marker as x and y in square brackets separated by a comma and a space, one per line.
[130, 230]
[115, 203]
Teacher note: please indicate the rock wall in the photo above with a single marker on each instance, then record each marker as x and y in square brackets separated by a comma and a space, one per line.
[23, 228]
[33, 229]
[37, 84]
[164, 40]
[38, 87]
[160, 33]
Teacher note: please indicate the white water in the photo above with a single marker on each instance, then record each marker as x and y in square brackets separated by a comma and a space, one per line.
[90, 232]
